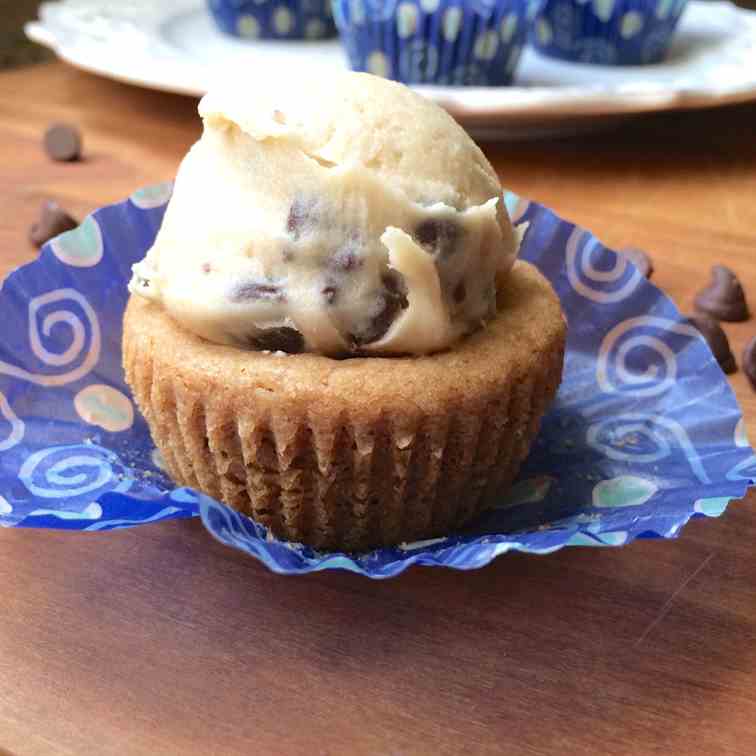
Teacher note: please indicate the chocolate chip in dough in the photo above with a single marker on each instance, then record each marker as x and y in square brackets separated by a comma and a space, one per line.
[749, 362]
[53, 220]
[389, 302]
[330, 293]
[283, 339]
[63, 142]
[639, 258]
[438, 236]
[247, 291]
[303, 216]
[717, 340]
[347, 256]
[723, 298]
[395, 287]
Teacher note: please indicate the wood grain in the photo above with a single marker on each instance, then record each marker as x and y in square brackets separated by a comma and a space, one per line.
[161, 641]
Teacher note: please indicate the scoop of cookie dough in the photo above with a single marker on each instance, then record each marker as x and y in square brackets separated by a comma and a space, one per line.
[338, 216]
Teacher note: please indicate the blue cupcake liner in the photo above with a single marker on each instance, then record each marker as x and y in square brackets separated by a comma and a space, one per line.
[274, 19]
[644, 434]
[450, 42]
[607, 32]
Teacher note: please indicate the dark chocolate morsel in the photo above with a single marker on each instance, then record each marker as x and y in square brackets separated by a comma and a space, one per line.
[438, 237]
[395, 287]
[460, 292]
[390, 301]
[330, 292]
[53, 220]
[250, 290]
[639, 258]
[717, 340]
[345, 258]
[63, 142]
[348, 255]
[749, 362]
[723, 298]
[302, 216]
[283, 339]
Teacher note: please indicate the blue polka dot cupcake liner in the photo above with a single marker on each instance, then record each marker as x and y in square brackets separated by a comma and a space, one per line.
[607, 32]
[274, 19]
[444, 42]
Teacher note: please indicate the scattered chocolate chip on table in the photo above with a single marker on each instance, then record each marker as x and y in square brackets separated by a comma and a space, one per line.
[749, 362]
[53, 220]
[717, 340]
[723, 298]
[62, 142]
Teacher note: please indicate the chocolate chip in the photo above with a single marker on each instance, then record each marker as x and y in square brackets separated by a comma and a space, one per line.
[53, 220]
[389, 302]
[283, 339]
[250, 290]
[63, 142]
[302, 216]
[330, 292]
[438, 237]
[395, 287]
[345, 258]
[716, 338]
[639, 258]
[749, 362]
[723, 298]
[460, 292]
[348, 256]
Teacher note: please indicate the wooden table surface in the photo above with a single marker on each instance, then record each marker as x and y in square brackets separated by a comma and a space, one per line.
[159, 640]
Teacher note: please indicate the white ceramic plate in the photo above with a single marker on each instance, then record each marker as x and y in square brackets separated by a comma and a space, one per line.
[175, 47]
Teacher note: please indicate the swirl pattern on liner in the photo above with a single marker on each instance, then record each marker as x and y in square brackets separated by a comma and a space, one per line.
[614, 369]
[15, 425]
[83, 347]
[601, 286]
[638, 437]
[68, 473]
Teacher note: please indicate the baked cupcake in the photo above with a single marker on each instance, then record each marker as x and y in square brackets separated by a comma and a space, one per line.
[331, 333]
[609, 32]
[457, 42]
[274, 19]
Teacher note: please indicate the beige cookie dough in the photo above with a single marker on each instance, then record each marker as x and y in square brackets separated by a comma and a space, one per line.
[331, 216]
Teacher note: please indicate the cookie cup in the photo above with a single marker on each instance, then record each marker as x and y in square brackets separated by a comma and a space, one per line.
[356, 453]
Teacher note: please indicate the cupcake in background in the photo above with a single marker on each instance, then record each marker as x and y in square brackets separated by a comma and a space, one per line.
[452, 42]
[608, 32]
[274, 19]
